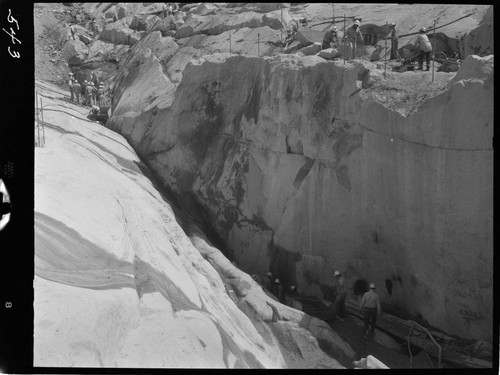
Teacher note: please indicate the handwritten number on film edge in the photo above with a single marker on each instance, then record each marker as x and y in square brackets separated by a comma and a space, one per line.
[11, 19]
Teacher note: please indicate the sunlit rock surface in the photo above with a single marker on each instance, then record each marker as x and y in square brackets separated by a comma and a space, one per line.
[119, 283]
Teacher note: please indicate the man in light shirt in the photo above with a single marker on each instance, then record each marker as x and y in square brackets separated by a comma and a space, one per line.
[370, 305]
[425, 47]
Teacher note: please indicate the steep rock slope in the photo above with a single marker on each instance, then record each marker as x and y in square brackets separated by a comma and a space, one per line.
[118, 283]
[304, 166]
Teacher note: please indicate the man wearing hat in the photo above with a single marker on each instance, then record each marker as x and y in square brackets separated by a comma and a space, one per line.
[267, 281]
[278, 290]
[353, 36]
[393, 35]
[84, 91]
[425, 47]
[94, 93]
[330, 39]
[100, 94]
[89, 91]
[70, 84]
[77, 88]
[340, 295]
[370, 306]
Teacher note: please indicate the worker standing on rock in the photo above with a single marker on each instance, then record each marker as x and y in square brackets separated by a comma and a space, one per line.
[77, 88]
[370, 305]
[94, 93]
[72, 31]
[393, 35]
[100, 94]
[89, 94]
[267, 281]
[353, 36]
[330, 39]
[425, 47]
[340, 296]
[70, 84]
[84, 91]
[94, 79]
[278, 290]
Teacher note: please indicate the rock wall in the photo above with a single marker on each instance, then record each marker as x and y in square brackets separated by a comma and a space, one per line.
[302, 168]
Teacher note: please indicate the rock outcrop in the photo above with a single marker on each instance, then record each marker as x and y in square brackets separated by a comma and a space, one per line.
[303, 166]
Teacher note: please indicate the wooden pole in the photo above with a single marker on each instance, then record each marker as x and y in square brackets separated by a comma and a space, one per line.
[282, 27]
[333, 13]
[41, 122]
[37, 119]
[434, 51]
[385, 64]
[343, 36]
[258, 44]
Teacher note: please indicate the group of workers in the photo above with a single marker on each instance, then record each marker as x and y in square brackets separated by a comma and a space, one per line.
[92, 91]
[370, 302]
[170, 9]
[353, 36]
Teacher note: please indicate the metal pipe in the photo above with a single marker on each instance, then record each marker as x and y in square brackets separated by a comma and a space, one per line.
[282, 27]
[344, 36]
[43, 125]
[385, 68]
[434, 51]
[258, 44]
[36, 117]
[409, 349]
[355, 44]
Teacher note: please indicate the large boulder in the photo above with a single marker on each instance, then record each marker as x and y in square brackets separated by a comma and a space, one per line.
[243, 41]
[265, 7]
[308, 36]
[217, 25]
[311, 49]
[75, 52]
[111, 13]
[204, 9]
[143, 22]
[474, 68]
[278, 19]
[119, 32]
[100, 51]
[329, 53]
[164, 25]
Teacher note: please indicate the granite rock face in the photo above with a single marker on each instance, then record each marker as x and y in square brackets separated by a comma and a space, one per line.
[303, 166]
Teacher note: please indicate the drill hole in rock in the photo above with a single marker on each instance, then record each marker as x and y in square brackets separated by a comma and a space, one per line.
[360, 287]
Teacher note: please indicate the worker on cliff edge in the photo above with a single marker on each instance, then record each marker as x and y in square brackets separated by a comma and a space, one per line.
[267, 281]
[70, 84]
[278, 290]
[353, 36]
[370, 306]
[393, 36]
[77, 88]
[330, 39]
[424, 45]
[340, 295]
